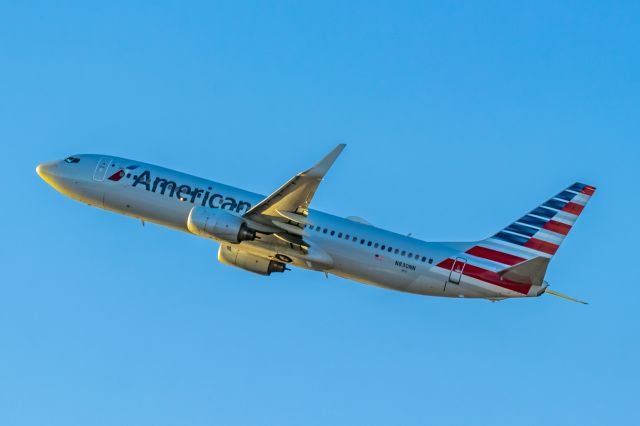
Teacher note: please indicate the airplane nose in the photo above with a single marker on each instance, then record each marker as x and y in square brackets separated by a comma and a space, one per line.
[47, 170]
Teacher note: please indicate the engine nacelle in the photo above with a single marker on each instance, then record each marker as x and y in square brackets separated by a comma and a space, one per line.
[247, 261]
[219, 224]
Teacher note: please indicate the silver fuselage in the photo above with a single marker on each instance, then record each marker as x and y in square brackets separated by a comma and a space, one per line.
[89, 181]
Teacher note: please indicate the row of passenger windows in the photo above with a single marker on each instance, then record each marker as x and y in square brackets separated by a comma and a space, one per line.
[382, 247]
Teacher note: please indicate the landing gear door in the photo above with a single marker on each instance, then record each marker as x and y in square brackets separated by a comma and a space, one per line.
[456, 270]
[101, 169]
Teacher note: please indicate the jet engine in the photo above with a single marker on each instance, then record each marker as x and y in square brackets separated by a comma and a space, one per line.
[219, 224]
[250, 262]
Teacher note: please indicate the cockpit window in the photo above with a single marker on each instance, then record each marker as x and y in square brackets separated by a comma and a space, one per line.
[72, 160]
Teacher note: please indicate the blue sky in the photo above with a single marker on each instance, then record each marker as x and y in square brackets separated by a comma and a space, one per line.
[458, 116]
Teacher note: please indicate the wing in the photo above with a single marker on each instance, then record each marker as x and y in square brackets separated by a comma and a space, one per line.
[284, 213]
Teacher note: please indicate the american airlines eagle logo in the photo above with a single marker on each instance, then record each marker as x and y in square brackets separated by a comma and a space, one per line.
[121, 173]
[117, 175]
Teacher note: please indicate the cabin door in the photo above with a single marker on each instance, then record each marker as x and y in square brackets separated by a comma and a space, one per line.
[101, 169]
[456, 270]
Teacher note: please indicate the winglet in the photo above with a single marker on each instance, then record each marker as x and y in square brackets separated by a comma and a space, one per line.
[321, 169]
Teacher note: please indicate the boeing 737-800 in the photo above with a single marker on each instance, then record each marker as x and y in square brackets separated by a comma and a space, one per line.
[265, 234]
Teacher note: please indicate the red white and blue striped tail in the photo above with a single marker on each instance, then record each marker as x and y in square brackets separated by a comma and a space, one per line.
[513, 262]
[538, 233]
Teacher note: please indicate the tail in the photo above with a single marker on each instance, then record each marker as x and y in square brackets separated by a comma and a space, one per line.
[519, 254]
[541, 231]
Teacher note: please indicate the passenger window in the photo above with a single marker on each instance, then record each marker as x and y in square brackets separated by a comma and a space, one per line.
[423, 258]
[333, 232]
[404, 252]
[369, 243]
[389, 249]
[417, 256]
[430, 261]
[383, 247]
[361, 241]
[325, 230]
[396, 251]
[346, 237]
[355, 239]
[340, 235]
[375, 245]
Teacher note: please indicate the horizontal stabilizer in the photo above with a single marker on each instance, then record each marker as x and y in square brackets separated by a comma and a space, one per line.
[530, 271]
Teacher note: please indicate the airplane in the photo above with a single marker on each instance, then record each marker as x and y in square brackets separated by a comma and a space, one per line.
[266, 235]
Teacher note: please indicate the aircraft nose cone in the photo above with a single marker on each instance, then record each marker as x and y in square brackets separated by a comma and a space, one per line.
[40, 170]
[47, 170]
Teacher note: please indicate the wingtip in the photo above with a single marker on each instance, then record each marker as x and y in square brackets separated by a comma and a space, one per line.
[323, 166]
[338, 149]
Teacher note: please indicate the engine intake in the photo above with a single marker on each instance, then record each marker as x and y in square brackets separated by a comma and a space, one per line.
[219, 224]
[250, 262]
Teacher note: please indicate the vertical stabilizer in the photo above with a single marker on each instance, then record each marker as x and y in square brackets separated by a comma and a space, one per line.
[514, 260]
